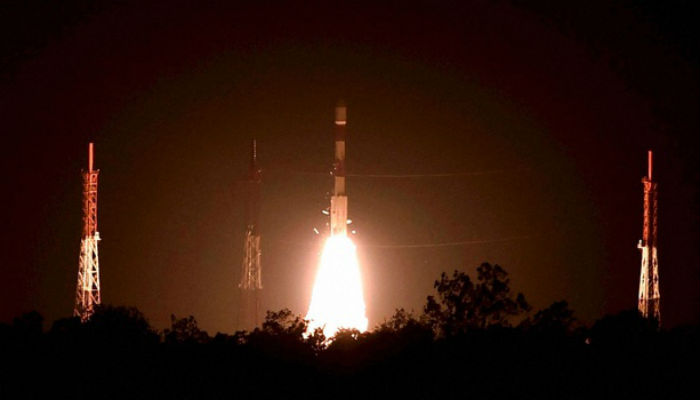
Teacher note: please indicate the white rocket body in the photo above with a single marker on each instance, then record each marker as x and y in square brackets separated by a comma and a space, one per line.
[339, 200]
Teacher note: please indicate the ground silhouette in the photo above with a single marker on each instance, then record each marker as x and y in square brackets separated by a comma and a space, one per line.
[474, 339]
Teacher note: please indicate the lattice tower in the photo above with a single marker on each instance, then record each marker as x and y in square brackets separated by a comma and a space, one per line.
[87, 292]
[251, 269]
[649, 295]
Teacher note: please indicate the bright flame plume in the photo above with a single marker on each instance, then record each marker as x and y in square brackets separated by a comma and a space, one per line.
[337, 300]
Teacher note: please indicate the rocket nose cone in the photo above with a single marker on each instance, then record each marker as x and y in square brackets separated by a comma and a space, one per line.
[341, 114]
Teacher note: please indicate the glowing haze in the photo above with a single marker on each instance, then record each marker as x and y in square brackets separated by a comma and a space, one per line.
[337, 300]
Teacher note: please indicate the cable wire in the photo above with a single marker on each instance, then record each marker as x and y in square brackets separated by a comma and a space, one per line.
[407, 176]
[419, 245]
[446, 244]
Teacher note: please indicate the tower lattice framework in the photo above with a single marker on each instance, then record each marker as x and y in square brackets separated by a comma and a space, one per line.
[649, 296]
[87, 292]
[251, 269]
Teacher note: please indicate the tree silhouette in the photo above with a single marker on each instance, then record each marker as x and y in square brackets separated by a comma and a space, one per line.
[119, 326]
[28, 327]
[283, 335]
[557, 319]
[30, 323]
[463, 305]
[399, 321]
[401, 358]
[284, 323]
[627, 328]
[346, 335]
[403, 329]
[317, 340]
[184, 330]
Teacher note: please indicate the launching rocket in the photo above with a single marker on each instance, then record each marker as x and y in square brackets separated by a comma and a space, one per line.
[337, 300]
[339, 200]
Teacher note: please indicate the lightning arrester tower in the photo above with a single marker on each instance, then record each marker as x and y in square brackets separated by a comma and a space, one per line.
[251, 269]
[339, 200]
[649, 297]
[87, 292]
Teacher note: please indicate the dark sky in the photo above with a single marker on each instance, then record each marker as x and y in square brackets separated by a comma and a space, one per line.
[551, 107]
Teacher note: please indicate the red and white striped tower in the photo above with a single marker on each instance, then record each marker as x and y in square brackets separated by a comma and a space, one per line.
[87, 292]
[339, 200]
[649, 296]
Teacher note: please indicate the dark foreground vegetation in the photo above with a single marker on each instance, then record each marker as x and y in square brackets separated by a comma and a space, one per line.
[474, 339]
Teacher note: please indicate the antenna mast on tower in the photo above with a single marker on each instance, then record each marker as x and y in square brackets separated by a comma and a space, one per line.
[649, 296]
[87, 292]
[251, 270]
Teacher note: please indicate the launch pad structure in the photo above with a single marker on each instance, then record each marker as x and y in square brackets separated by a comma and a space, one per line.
[87, 292]
[251, 269]
[649, 296]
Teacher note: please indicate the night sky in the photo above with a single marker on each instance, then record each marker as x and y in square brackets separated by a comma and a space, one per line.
[543, 114]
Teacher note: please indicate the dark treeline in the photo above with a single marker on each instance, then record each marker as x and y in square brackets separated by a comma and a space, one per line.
[474, 339]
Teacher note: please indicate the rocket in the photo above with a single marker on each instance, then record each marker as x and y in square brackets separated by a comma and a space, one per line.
[339, 200]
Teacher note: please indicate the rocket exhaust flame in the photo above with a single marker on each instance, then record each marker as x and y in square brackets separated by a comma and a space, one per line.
[337, 300]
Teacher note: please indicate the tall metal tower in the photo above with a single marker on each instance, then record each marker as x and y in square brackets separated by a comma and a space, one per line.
[649, 297]
[251, 270]
[87, 291]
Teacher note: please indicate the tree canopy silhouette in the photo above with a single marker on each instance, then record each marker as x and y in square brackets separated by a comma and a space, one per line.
[184, 331]
[463, 342]
[557, 319]
[463, 305]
